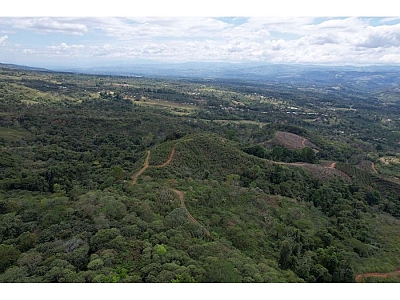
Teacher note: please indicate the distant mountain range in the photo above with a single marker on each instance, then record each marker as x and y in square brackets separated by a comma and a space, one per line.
[361, 77]
[19, 67]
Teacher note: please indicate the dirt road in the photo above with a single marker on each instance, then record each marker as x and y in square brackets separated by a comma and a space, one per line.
[360, 277]
[303, 142]
[170, 157]
[145, 166]
[181, 196]
[373, 168]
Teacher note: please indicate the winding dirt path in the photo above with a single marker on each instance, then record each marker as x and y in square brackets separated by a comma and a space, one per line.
[360, 277]
[303, 142]
[170, 157]
[181, 196]
[145, 166]
[373, 168]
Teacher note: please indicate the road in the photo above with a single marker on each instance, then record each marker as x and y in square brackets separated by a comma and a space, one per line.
[360, 277]
[145, 166]
[180, 194]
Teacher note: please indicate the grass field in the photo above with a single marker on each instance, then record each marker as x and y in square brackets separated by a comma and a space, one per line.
[13, 135]
[176, 108]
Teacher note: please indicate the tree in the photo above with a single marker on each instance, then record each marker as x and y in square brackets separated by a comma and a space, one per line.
[96, 264]
[285, 257]
[30, 261]
[308, 155]
[14, 274]
[8, 256]
[102, 238]
[220, 270]
[26, 241]
[183, 278]
[118, 173]
[373, 197]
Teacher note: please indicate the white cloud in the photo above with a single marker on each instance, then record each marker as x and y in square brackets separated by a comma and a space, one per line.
[303, 40]
[390, 58]
[3, 38]
[141, 28]
[381, 36]
[64, 46]
[63, 50]
[28, 51]
[67, 26]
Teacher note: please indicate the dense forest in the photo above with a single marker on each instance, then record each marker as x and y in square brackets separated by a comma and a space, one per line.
[135, 179]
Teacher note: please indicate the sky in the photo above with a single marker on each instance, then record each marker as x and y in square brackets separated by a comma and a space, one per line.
[172, 31]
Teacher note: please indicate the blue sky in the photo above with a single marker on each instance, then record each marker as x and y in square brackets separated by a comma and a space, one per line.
[48, 38]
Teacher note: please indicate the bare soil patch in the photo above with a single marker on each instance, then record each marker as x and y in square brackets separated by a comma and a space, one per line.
[291, 140]
[359, 277]
[319, 171]
[389, 160]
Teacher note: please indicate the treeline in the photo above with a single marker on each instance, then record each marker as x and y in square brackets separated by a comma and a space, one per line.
[283, 154]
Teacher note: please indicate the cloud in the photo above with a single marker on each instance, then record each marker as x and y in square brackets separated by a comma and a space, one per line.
[65, 50]
[28, 51]
[268, 39]
[141, 28]
[67, 26]
[3, 38]
[390, 58]
[381, 36]
[64, 46]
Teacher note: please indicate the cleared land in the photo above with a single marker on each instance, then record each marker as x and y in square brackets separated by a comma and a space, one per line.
[10, 134]
[177, 108]
[291, 140]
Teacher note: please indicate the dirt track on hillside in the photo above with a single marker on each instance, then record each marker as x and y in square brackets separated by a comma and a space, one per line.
[373, 168]
[360, 277]
[303, 142]
[181, 197]
[171, 155]
[145, 166]
[179, 193]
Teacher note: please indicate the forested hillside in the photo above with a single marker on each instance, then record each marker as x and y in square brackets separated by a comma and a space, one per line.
[123, 179]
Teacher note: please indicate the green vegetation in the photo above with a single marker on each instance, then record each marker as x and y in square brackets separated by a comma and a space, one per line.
[215, 197]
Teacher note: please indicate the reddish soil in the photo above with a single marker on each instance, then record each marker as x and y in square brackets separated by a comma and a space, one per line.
[179, 193]
[145, 166]
[181, 196]
[303, 142]
[360, 277]
[171, 155]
